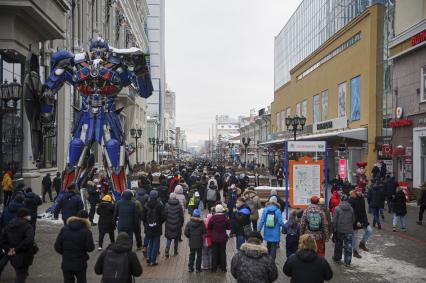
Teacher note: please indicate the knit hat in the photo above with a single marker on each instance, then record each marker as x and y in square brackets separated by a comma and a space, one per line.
[255, 234]
[172, 196]
[122, 237]
[107, 198]
[196, 213]
[219, 208]
[22, 212]
[153, 194]
[82, 214]
[273, 199]
[315, 200]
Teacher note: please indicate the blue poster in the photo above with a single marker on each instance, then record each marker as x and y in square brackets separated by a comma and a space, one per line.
[355, 99]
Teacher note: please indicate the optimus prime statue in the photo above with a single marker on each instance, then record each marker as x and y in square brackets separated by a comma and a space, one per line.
[98, 75]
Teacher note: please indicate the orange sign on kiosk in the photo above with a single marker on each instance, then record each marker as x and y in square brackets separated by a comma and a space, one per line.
[306, 177]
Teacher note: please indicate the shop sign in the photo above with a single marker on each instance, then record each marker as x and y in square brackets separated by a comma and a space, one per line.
[386, 149]
[306, 146]
[398, 112]
[418, 38]
[342, 168]
[333, 124]
[400, 123]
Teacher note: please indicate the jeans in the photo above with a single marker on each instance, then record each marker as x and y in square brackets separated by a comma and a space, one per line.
[74, 276]
[218, 256]
[153, 247]
[169, 243]
[102, 235]
[272, 249]
[291, 244]
[240, 239]
[401, 220]
[343, 240]
[421, 211]
[367, 233]
[390, 204]
[192, 254]
[21, 275]
[376, 215]
[49, 192]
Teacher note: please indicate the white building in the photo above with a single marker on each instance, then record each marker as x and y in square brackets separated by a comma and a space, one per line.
[225, 128]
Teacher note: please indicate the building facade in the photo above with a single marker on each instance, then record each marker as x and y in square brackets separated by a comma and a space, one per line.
[334, 78]
[225, 128]
[408, 57]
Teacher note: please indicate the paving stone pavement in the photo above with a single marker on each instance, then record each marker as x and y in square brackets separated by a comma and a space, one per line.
[394, 257]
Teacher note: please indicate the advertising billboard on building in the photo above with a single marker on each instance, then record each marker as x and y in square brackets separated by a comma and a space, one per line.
[342, 100]
[355, 99]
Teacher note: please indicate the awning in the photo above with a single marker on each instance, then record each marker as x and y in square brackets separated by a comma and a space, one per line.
[355, 134]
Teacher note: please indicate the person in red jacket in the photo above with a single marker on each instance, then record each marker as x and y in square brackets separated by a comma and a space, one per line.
[334, 201]
[173, 183]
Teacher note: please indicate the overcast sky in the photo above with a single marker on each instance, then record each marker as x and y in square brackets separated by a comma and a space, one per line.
[220, 57]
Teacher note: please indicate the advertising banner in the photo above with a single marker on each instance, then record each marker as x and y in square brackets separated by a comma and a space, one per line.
[342, 168]
[355, 99]
[342, 100]
[306, 146]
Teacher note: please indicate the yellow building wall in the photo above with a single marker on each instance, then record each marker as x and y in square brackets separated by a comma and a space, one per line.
[359, 59]
[408, 13]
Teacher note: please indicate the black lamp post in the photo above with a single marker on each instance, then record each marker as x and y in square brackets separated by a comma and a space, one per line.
[246, 143]
[160, 145]
[152, 141]
[297, 124]
[136, 134]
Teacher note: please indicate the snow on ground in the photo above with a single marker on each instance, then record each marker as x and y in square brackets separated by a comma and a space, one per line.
[390, 269]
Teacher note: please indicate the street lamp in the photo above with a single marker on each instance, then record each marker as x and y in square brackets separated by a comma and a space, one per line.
[152, 142]
[297, 124]
[136, 134]
[160, 144]
[246, 143]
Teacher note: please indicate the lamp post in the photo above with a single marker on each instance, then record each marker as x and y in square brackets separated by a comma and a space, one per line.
[136, 134]
[152, 142]
[297, 124]
[246, 143]
[160, 144]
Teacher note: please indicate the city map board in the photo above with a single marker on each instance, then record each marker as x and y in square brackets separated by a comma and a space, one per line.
[306, 178]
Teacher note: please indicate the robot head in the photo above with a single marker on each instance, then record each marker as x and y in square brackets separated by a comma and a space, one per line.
[98, 48]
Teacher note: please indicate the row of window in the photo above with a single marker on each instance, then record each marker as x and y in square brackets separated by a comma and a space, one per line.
[320, 105]
[423, 85]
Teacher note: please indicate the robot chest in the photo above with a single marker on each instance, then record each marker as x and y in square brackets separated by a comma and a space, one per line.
[92, 81]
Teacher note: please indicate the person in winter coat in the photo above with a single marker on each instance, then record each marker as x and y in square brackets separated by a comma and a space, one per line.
[361, 222]
[306, 265]
[292, 230]
[194, 231]
[327, 215]
[174, 223]
[93, 199]
[74, 242]
[280, 177]
[399, 210]
[46, 185]
[421, 202]
[7, 187]
[194, 202]
[376, 201]
[57, 183]
[163, 191]
[106, 224]
[207, 244]
[280, 201]
[231, 200]
[343, 221]
[314, 222]
[153, 217]
[212, 195]
[32, 202]
[390, 190]
[173, 183]
[180, 196]
[11, 211]
[242, 221]
[218, 225]
[334, 201]
[69, 204]
[118, 262]
[253, 202]
[17, 240]
[126, 215]
[272, 222]
[253, 263]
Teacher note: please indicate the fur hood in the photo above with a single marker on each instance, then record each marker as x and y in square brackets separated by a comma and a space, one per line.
[249, 194]
[196, 219]
[85, 221]
[253, 250]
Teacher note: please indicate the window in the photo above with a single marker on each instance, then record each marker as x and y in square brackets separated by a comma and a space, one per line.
[423, 84]
[288, 112]
[304, 108]
[324, 104]
[316, 108]
[298, 109]
[282, 120]
[277, 121]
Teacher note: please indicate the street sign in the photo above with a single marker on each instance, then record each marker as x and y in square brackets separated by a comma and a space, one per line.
[306, 146]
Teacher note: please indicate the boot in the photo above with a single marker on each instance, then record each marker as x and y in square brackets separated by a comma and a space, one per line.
[357, 255]
[379, 226]
[166, 253]
[363, 247]
[144, 252]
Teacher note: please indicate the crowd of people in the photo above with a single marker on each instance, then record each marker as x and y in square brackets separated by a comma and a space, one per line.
[208, 205]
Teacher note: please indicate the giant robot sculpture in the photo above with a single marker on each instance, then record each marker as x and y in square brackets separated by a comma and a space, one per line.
[98, 75]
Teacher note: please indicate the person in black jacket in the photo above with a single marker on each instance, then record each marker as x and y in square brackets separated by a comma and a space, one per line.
[361, 222]
[93, 199]
[74, 241]
[57, 183]
[106, 224]
[242, 221]
[305, 265]
[153, 217]
[32, 202]
[46, 184]
[194, 231]
[126, 215]
[421, 202]
[376, 200]
[111, 262]
[17, 240]
[399, 210]
[70, 203]
[174, 223]
[163, 191]
[390, 188]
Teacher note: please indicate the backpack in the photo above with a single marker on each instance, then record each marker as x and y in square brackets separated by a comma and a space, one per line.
[211, 195]
[271, 220]
[152, 217]
[314, 221]
[115, 267]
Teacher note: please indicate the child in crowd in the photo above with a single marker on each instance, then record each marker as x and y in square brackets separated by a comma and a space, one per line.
[207, 244]
[292, 230]
[194, 230]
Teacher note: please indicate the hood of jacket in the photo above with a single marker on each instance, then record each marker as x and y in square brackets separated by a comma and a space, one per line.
[141, 192]
[173, 202]
[306, 255]
[17, 222]
[30, 195]
[344, 205]
[127, 195]
[121, 247]
[244, 210]
[196, 221]
[77, 223]
[253, 250]
[271, 206]
[14, 206]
